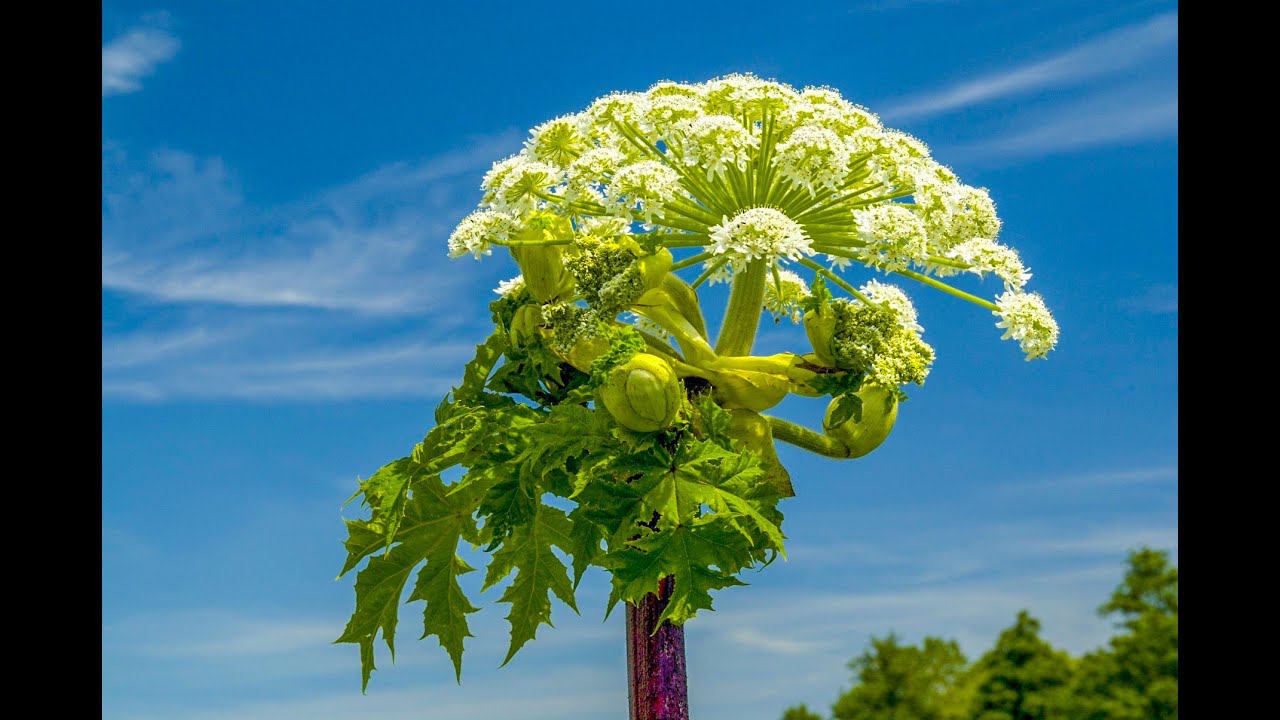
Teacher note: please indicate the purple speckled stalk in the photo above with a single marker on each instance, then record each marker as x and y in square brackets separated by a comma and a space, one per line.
[656, 679]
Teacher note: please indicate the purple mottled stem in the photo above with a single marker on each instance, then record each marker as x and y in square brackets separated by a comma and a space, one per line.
[656, 678]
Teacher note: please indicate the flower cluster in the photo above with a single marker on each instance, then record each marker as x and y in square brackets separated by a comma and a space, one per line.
[882, 340]
[757, 234]
[784, 296]
[1027, 320]
[744, 171]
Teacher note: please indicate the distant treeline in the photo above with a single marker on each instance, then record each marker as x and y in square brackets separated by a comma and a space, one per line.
[1022, 677]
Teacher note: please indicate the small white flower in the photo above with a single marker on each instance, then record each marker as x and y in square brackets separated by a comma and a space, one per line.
[989, 256]
[894, 236]
[783, 298]
[1026, 319]
[476, 232]
[896, 299]
[760, 233]
[646, 185]
[838, 262]
[506, 287]
[813, 157]
[716, 142]
[557, 141]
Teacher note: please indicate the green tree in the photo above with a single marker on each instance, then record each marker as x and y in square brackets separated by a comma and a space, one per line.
[1136, 676]
[800, 712]
[904, 682]
[1022, 677]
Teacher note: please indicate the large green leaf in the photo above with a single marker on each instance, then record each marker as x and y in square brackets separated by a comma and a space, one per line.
[700, 558]
[538, 573]
[433, 523]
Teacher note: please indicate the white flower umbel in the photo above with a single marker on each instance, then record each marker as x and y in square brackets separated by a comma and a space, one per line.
[988, 256]
[506, 287]
[588, 174]
[1026, 319]
[477, 232]
[645, 186]
[814, 157]
[893, 234]
[557, 142]
[760, 233]
[499, 172]
[663, 114]
[739, 93]
[955, 213]
[715, 143]
[896, 299]
[783, 295]
[524, 186]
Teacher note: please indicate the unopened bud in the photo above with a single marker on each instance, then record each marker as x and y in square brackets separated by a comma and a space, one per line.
[643, 394]
[879, 413]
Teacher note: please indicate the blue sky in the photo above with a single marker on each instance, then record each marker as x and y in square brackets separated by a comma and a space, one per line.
[279, 317]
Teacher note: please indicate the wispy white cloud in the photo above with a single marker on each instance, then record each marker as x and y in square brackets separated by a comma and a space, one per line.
[156, 367]
[1110, 541]
[179, 231]
[752, 638]
[1131, 114]
[1092, 480]
[346, 294]
[1113, 53]
[135, 55]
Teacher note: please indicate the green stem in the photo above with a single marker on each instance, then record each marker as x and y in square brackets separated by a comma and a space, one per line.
[690, 261]
[835, 279]
[742, 314]
[803, 437]
[957, 292]
[710, 270]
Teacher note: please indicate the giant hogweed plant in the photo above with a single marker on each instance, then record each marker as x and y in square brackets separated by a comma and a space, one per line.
[600, 385]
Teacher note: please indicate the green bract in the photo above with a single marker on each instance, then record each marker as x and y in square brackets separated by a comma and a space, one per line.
[600, 385]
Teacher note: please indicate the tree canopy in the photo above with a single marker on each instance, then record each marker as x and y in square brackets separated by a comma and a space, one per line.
[1022, 676]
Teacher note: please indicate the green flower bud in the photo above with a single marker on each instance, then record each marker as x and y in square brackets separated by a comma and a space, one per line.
[820, 326]
[879, 412]
[643, 394]
[685, 301]
[543, 270]
[524, 324]
[653, 268]
[585, 351]
[750, 389]
[753, 430]
[542, 265]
